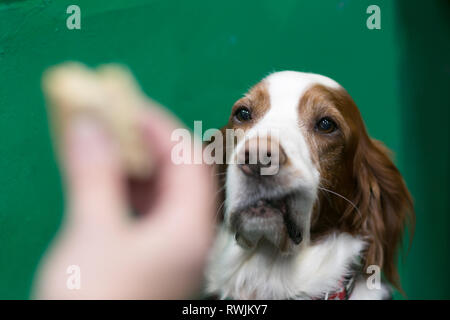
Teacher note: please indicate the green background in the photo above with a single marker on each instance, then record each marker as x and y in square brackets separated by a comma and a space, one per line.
[197, 58]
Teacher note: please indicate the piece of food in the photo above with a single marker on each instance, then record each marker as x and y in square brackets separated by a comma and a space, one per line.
[108, 95]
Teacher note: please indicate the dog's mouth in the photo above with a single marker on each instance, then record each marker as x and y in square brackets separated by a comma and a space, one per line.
[267, 219]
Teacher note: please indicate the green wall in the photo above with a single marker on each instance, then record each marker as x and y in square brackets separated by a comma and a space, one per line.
[197, 58]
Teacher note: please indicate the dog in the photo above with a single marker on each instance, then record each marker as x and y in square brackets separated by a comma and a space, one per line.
[328, 220]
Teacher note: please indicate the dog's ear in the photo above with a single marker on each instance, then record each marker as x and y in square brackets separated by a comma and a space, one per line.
[384, 202]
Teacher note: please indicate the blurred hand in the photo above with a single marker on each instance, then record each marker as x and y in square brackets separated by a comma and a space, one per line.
[160, 253]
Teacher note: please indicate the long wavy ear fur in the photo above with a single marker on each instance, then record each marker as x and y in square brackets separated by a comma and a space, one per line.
[383, 198]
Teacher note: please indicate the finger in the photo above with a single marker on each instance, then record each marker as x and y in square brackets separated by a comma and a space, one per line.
[185, 191]
[93, 174]
[157, 125]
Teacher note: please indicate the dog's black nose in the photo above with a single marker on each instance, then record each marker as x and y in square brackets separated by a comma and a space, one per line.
[261, 156]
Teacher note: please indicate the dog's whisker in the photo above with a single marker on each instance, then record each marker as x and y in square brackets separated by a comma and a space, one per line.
[218, 210]
[220, 174]
[341, 196]
[219, 190]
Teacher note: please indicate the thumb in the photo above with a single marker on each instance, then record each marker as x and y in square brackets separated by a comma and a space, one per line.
[93, 175]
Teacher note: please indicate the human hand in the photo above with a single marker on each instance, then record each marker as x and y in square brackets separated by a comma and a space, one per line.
[158, 254]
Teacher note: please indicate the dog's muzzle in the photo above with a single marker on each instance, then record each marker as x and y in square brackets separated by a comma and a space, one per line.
[267, 220]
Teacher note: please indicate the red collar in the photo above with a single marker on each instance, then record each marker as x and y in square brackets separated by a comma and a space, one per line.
[344, 291]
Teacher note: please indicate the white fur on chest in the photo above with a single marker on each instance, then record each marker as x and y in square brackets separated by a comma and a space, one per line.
[263, 273]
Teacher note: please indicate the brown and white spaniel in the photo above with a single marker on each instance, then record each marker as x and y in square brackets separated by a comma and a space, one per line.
[332, 212]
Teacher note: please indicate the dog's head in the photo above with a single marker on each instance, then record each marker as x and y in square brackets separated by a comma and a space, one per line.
[304, 166]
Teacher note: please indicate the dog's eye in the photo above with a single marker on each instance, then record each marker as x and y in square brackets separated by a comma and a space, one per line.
[242, 114]
[326, 125]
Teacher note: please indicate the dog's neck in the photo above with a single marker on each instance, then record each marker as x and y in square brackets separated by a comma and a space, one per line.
[263, 273]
